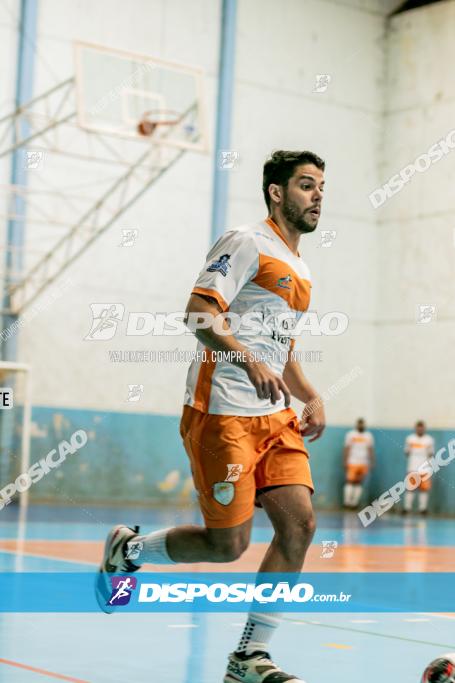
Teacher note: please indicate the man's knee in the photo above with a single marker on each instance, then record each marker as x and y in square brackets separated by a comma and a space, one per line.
[299, 531]
[230, 548]
[309, 524]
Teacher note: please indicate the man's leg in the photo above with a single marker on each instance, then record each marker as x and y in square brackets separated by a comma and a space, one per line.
[423, 501]
[357, 493]
[350, 486]
[290, 511]
[126, 551]
[191, 544]
[347, 494]
[408, 500]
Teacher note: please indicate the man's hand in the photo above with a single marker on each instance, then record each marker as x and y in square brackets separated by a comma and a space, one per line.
[313, 419]
[267, 383]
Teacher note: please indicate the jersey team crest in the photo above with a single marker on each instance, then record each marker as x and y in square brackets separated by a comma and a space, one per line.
[223, 492]
[283, 282]
[221, 265]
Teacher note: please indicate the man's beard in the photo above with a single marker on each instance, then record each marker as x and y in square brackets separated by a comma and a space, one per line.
[296, 216]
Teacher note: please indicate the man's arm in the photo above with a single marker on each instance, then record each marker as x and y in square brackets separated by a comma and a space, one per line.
[372, 456]
[313, 416]
[346, 451]
[266, 382]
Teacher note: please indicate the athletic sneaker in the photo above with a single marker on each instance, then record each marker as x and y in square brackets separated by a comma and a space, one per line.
[256, 668]
[116, 560]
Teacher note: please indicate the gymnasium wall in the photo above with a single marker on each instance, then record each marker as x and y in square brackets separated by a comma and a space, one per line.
[413, 375]
[416, 238]
[134, 451]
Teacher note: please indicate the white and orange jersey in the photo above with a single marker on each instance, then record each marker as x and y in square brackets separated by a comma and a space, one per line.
[249, 270]
[418, 450]
[359, 444]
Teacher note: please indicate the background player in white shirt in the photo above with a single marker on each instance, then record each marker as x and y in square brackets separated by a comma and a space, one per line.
[418, 448]
[358, 458]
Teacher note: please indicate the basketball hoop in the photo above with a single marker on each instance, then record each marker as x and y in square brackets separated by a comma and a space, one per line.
[157, 117]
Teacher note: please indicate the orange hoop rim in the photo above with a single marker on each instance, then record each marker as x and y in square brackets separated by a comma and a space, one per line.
[172, 117]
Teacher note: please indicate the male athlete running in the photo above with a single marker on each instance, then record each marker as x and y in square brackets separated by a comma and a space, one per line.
[243, 440]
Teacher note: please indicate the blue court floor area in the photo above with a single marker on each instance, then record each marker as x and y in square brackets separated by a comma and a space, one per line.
[185, 648]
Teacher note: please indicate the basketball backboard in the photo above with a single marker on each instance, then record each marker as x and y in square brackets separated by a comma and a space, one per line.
[115, 89]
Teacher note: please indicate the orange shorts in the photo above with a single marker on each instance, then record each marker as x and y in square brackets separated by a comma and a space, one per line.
[355, 474]
[424, 485]
[232, 456]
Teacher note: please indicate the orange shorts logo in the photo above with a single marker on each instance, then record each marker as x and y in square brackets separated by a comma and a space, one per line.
[223, 492]
[234, 472]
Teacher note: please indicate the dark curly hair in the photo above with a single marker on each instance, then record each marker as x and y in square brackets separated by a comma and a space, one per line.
[280, 167]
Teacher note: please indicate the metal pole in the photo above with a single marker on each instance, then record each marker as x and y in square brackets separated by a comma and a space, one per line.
[16, 226]
[224, 115]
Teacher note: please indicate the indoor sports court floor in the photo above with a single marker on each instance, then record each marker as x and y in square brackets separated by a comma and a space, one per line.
[322, 647]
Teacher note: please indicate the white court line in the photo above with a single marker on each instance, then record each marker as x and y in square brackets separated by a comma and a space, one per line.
[363, 621]
[415, 620]
[183, 625]
[438, 615]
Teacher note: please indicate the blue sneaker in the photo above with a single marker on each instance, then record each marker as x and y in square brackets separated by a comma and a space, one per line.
[119, 550]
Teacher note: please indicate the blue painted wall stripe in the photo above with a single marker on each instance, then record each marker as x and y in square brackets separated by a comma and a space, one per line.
[139, 458]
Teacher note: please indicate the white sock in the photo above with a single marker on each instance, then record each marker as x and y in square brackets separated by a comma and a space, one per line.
[347, 494]
[423, 501]
[408, 498]
[149, 549]
[258, 631]
[356, 493]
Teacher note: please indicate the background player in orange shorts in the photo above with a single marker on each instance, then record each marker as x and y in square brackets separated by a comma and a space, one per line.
[358, 457]
[243, 440]
[418, 448]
